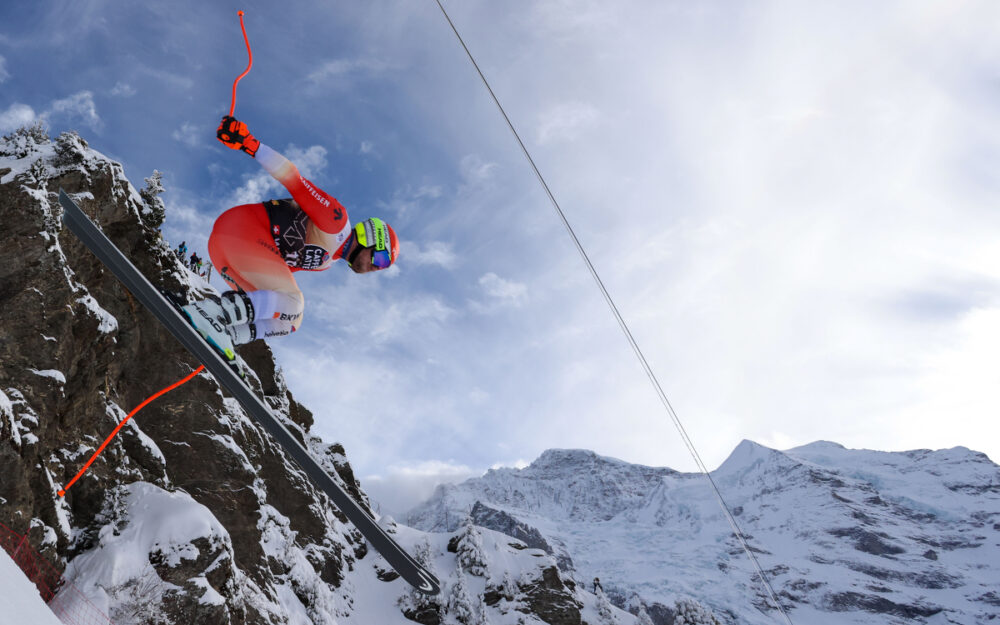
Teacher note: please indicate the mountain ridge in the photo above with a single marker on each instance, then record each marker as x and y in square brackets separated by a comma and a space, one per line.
[842, 533]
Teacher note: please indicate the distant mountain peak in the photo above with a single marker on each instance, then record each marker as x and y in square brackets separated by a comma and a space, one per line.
[867, 533]
[821, 445]
[562, 458]
[747, 455]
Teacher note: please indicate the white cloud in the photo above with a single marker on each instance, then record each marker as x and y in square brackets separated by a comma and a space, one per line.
[401, 487]
[123, 90]
[15, 116]
[4, 74]
[398, 319]
[431, 191]
[188, 134]
[433, 253]
[260, 186]
[566, 122]
[406, 199]
[190, 217]
[475, 170]
[180, 82]
[79, 106]
[310, 161]
[256, 188]
[507, 292]
[367, 147]
[330, 72]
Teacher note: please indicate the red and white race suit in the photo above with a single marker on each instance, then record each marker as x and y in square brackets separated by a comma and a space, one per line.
[257, 247]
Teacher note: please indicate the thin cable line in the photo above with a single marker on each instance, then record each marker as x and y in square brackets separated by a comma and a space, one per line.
[625, 329]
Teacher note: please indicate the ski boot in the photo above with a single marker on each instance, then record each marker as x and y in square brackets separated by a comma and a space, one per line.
[214, 318]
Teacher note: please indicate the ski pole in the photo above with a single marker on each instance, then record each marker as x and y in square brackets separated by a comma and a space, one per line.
[232, 106]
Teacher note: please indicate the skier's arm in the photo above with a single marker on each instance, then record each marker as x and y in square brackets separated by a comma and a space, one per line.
[324, 211]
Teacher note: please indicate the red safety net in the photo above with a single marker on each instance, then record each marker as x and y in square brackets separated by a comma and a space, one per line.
[65, 600]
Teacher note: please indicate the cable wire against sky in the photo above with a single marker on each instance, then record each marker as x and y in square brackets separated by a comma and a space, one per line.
[625, 329]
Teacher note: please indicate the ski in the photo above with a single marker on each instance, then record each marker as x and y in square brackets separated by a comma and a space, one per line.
[109, 254]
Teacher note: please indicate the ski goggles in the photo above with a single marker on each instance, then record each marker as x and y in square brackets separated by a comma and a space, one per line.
[381, 258]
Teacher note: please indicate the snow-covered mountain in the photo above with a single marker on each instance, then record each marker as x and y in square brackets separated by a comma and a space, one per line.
[845, 536]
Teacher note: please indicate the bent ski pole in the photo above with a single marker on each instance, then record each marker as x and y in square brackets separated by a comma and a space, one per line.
[232, 106]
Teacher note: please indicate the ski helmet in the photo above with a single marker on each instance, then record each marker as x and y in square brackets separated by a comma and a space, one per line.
[377, 234]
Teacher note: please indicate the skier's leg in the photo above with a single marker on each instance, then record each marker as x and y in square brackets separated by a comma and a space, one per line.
[277, 312]
[242, 247]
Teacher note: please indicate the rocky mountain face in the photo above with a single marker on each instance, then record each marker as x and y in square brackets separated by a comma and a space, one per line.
[192, 514]
[845, 536]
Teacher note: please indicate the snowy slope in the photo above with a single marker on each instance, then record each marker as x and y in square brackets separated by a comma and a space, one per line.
[486, 578]
[19, 597]
[847, 536]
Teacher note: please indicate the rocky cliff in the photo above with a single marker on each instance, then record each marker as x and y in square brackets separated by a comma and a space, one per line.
[192, 514]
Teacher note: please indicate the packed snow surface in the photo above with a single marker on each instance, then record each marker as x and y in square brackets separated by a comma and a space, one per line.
[153, 520]
[19, 598]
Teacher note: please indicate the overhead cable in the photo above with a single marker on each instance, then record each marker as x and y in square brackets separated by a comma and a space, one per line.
[625, 329]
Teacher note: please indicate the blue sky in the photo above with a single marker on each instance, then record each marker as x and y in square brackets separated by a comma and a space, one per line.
[794, 205]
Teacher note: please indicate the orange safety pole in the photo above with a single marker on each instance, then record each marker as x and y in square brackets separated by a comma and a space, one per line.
[232, 106]
[62, 492]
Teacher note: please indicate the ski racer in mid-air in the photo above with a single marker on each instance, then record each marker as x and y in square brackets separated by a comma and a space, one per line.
[257, 247]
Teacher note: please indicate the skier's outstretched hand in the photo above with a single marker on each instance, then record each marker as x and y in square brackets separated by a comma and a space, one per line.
[234, 134]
